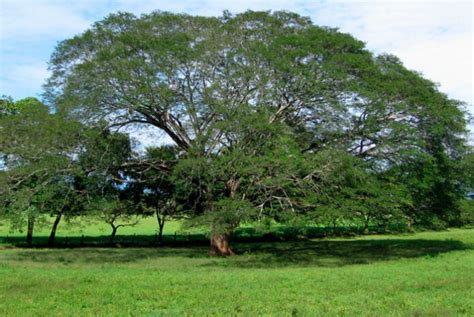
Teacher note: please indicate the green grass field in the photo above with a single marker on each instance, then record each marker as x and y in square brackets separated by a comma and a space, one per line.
[424, 274]
[146, 226]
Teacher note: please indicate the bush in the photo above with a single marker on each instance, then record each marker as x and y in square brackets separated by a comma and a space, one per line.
[466, 216]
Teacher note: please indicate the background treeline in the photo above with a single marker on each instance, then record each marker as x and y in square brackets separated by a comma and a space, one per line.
[271, 118]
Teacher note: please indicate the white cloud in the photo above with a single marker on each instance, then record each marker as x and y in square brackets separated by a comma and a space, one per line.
[391, 24]
[33, 20]
[434, 38]
[24, 78]
[449, 64]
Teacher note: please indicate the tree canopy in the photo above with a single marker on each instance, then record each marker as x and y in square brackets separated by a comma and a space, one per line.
[271, 117]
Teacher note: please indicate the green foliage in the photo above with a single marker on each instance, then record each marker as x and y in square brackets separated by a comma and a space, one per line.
[466, 216]
[104, 151]
[349, 193]
[117, 213]
[54, 165]
[466, 169]
[38, 173]
[251, 101]
[272, 117]
[102, 159]
[253, 183]
[7, 106]
[226, 214]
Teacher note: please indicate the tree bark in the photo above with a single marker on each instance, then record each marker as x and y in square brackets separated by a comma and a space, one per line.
[366, 225]
[232, 186]
[220, 245]
[410, 224]
[161, 225]
[52, 235]
[29, 233]
[220, 241]
[114, 232]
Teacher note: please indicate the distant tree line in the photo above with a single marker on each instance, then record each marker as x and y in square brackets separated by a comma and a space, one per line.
[272, 118]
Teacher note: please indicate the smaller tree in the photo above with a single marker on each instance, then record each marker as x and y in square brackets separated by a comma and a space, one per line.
[156, 187]
[103, 178]
[63, 198]
[37, 151]
[118, 213]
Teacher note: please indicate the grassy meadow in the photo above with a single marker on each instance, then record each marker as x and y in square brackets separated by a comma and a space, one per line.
[83, 226]
[423, 274]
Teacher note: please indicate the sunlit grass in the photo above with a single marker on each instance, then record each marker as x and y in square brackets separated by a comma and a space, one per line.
[80, 226]
[425, 274]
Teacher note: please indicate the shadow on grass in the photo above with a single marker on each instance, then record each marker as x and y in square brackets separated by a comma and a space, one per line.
[335, 253]
[323, 253]
[240, 235]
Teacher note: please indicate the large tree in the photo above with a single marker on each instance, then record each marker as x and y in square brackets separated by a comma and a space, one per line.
[204, 80]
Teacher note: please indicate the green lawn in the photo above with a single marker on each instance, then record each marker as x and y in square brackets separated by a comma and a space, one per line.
[426, 274]
[146, 226]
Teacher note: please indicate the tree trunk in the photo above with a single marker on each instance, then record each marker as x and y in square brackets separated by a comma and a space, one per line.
[114, 232]
[160, 233]
[366, 225]
[161, 225]
[220, 245]
[410, 224]
[232, 186]
[220, 241]
[29, 233]
[52, 235]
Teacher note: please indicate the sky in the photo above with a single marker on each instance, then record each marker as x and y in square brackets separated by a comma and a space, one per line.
[434, 38]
